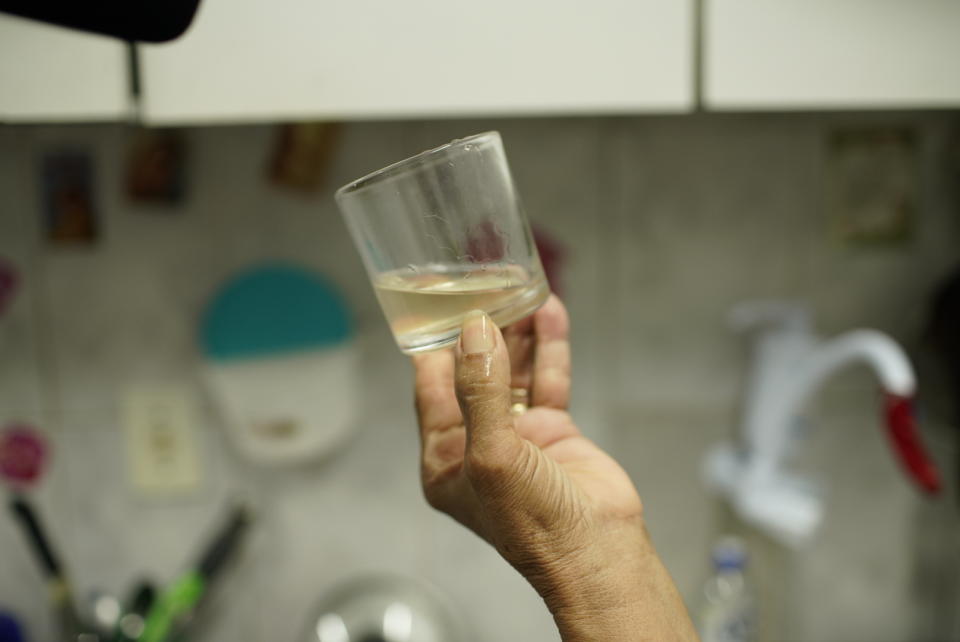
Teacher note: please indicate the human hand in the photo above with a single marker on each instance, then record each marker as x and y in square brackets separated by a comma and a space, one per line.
[554, 505]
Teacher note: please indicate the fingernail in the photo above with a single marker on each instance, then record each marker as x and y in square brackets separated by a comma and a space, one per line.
[477, 333]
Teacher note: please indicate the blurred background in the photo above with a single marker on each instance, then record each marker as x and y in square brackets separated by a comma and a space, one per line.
[676, 158]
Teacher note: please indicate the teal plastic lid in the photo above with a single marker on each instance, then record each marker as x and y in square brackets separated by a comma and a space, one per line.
[273, 308]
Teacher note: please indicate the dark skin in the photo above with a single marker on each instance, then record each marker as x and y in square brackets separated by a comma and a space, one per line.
[554, 505]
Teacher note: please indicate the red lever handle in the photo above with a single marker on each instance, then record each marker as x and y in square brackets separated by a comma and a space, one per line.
[905, 440]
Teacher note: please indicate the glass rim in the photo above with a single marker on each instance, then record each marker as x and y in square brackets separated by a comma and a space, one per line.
[422, 160]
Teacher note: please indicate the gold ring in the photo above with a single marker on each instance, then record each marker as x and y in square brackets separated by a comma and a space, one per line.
[519, 398]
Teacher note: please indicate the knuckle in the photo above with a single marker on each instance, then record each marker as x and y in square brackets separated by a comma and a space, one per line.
[486, 468]
[434, 497]
[481, 467]
[435, 491]
[494, 465]
[473, 391]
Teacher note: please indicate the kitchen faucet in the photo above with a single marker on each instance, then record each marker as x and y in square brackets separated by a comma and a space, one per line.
[789, 363]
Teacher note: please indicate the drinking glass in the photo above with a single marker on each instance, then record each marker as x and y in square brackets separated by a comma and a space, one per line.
[443, 233]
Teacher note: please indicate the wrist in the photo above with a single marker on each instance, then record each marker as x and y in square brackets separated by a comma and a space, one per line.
[614, 589]
[598, 586]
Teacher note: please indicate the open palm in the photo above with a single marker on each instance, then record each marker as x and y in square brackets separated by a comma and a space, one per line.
[527, 480]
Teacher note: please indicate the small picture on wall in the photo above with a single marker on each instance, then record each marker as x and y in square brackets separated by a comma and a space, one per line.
[301, 155]
[156, 169]
[69, 208]
[872, 185]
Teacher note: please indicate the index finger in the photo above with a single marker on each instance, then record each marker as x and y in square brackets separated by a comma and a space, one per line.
[436, 401]
[521, 343]
[551, 365]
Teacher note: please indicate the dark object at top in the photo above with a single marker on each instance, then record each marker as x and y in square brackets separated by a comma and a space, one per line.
[134, 20]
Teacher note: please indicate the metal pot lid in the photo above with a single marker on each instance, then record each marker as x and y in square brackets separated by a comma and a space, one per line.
[383, 608]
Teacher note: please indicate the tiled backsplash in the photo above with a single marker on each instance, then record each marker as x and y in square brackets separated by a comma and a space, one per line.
[666, 221]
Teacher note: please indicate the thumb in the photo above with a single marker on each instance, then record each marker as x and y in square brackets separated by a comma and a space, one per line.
[482, 382]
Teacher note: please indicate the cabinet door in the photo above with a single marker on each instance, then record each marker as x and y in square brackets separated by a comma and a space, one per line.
[50, 73]
[258, 60]
[831, 53]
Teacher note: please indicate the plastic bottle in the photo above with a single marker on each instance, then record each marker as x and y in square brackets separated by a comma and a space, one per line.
[728, 611]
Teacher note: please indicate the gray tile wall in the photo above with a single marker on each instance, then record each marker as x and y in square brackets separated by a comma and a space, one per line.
[668, 221]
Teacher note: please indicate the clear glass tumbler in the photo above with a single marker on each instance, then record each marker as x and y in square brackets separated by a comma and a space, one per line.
[443, 233]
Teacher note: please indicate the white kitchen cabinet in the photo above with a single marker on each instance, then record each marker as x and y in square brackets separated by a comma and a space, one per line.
[50, 73]
[247, 60]
[761, 54]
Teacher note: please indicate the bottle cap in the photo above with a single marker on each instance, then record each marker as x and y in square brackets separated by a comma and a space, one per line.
[730, 553]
